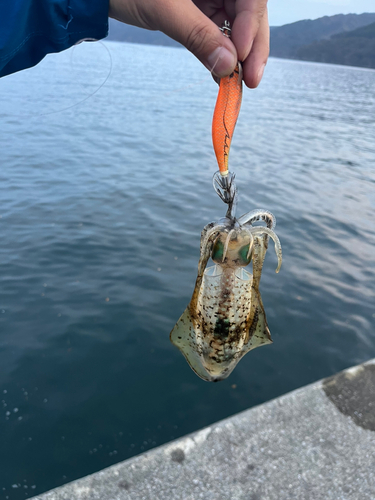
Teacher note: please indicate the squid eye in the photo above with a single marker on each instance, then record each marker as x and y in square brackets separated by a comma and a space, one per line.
[243, 255]
[217, 252]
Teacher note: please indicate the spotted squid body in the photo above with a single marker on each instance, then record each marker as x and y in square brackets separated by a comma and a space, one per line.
[225, 318]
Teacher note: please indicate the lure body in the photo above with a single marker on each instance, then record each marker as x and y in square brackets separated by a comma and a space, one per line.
[226, 112]
[225, 318]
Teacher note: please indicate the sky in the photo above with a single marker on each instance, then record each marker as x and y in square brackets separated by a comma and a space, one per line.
[288, 11]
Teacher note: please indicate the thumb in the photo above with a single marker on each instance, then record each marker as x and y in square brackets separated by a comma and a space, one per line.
[185, 23]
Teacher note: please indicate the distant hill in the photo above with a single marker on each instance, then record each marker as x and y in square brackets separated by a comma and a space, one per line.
[353, 48]
[341, 39]
[285, 40]
[125, 33]
[288, 39]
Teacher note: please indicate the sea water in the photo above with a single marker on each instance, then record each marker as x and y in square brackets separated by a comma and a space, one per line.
[106, 166]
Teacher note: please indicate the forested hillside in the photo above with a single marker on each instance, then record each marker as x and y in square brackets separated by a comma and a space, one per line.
[125, 33]
[288, 39]
[355, 48]
[341, 39]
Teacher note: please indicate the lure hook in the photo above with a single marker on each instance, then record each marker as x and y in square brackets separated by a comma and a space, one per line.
[226, 189]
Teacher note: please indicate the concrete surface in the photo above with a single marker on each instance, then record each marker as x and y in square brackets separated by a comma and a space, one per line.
[316, 443]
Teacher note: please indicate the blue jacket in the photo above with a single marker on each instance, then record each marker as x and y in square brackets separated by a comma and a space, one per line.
[31, 29]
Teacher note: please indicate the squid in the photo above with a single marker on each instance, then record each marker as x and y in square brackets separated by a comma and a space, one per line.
[225, 318]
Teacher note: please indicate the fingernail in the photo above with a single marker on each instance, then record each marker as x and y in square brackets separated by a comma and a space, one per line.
[221, 62]
[260, 74]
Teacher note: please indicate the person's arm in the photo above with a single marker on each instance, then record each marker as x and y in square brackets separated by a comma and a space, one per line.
[31, 29]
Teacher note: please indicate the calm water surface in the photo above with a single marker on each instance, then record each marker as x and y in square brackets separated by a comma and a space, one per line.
[102, 204]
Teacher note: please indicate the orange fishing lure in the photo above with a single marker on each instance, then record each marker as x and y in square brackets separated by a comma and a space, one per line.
[226, 112]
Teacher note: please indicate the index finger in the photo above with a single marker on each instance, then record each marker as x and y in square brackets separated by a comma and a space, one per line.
[249, 14]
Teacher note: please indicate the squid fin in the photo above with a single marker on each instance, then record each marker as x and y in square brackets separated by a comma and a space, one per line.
[184, 336]
[259, 334]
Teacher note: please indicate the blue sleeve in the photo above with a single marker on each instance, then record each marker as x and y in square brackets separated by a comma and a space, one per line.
[31, 29]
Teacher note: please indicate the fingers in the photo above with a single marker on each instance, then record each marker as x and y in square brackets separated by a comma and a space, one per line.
[253, 66]
[196, 27]
[246, 25]
[250, 35]
[185, 22]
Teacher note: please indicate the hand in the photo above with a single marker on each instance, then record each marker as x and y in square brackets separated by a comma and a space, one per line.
[195, 25]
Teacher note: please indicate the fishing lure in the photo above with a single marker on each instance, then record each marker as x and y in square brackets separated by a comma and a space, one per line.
[225, 318]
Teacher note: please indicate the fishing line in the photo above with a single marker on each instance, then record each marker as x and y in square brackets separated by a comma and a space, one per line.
[164, 94]
[59, 110]
[95, 91]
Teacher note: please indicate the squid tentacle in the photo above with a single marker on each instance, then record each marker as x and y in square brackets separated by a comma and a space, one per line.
[206, 238]
[258, 214]
[206, 250]
[272, 234]
[204, 232]
[251, 243]
[227, 243]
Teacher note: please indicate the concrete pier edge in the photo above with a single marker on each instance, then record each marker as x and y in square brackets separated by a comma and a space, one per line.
[315, 443]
